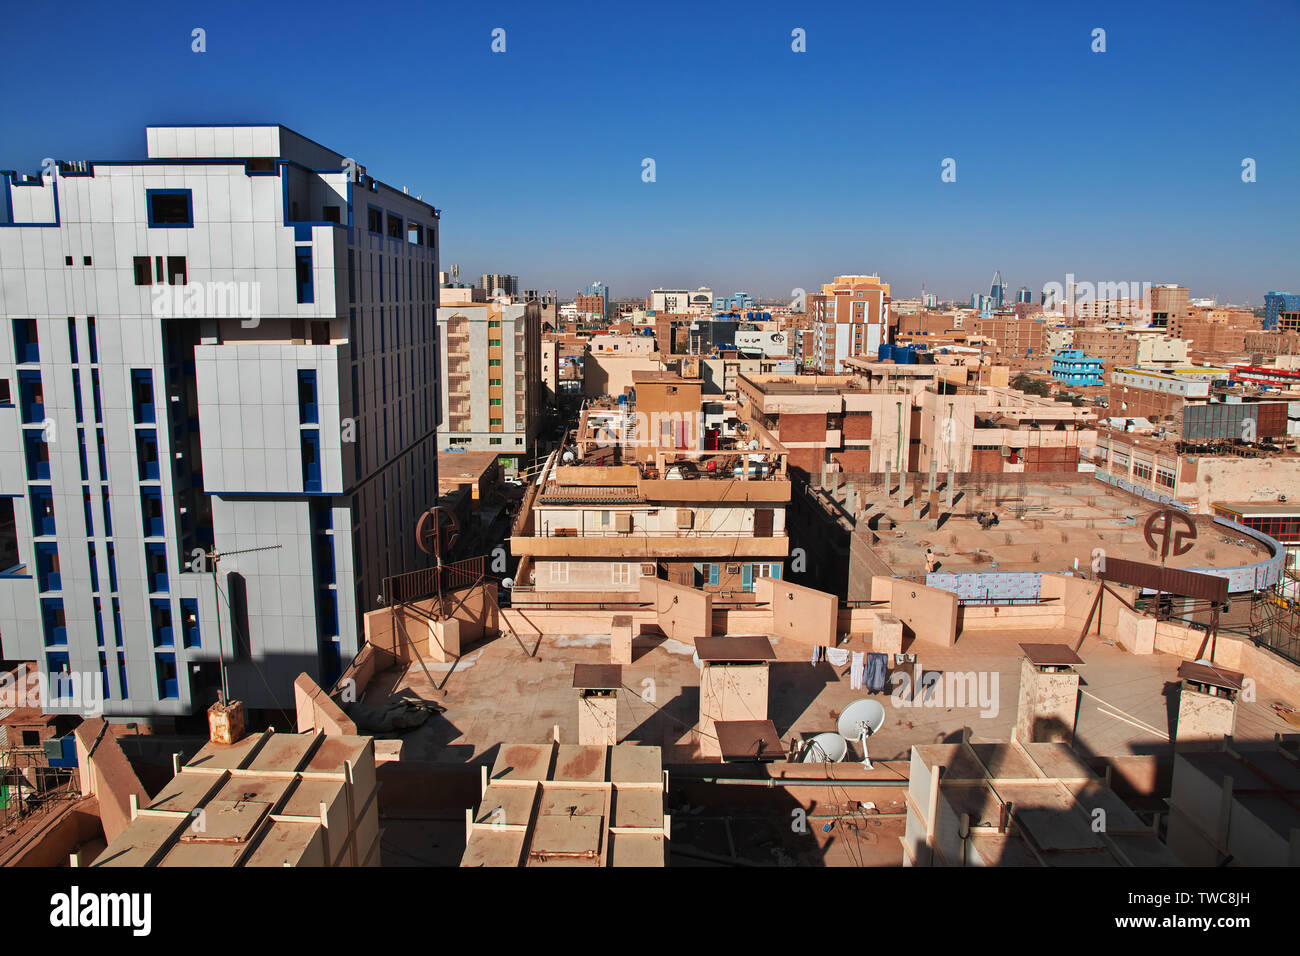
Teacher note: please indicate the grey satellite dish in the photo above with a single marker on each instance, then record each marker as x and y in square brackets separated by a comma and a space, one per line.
[860, 720]
[568, 456]
[507, 583]
[826, 748]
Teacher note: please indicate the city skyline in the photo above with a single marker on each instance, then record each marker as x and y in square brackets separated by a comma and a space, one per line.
[1117, 165]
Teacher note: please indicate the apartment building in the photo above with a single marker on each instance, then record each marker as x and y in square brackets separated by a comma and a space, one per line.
[638, 496]
[491, 360]
[1158, 394]
[227, 347]
[888, 418]
[1169, 306]
[496, 285]
[850, 318]
[1013, 337]
[1075, 367]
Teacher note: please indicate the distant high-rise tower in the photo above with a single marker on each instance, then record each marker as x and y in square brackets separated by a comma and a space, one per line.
[1024, 296]
[998, 291]
[494, 284]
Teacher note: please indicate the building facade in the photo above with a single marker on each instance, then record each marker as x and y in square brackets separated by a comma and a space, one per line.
[229, 347]
[491, 360]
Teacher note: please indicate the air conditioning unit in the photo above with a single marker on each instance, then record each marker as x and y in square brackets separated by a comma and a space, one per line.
[733, 569]
[623, 523]
[649, 570]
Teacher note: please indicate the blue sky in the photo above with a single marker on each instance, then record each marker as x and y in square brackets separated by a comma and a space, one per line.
[774, 169]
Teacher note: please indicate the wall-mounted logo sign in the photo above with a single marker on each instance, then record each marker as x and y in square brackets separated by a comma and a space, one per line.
[1164, 525]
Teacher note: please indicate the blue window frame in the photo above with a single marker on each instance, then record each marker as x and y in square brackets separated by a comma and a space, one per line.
[155, 562]
[190, 622]
[170, 208]
[31, 397]
[92, 562]
[52, 620]
[48, 577]
[26, 348]
[142, 395]
[747, 577]
[42, 500]
[121, 674]
[307, 412]
[99, 623]
[327, 611]
[160, 615]
[112, 573]
[108, 515]
[302, 261]
[151, 512]
[38, 455]
[311, 461]
[713, 573]
[103, 675]
[76, 396]
[165, 670]
[56, 663]
[146, 453]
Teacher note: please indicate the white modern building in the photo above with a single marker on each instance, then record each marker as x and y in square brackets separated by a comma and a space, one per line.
[227, 347]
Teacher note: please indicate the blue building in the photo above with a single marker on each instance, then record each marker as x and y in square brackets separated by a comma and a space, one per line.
[1282, 310]
[733, 303]
[1073, 367]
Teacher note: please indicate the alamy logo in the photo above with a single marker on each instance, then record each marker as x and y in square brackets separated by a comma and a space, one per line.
[76, 690]
[75, 909]
[947, 689]
[210, 300]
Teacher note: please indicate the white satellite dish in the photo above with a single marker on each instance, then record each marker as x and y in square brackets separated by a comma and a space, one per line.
[826, 748]
[507, 583]
[860, 720]
[568, 456]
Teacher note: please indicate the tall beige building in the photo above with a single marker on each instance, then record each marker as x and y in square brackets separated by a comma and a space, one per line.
[850, 319]
[491, 360]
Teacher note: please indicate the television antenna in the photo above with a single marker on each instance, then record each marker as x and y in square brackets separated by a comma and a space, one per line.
[860, 720]
[826, 748]
[213, 557]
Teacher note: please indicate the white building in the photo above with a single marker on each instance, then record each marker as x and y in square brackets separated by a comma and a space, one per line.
[228, 346]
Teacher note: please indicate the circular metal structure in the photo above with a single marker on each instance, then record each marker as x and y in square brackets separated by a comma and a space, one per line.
[826, 748]
[437, 531]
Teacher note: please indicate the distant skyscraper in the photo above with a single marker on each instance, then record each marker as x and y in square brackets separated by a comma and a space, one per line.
[492, 282]
[594, 300]
[1024, 296]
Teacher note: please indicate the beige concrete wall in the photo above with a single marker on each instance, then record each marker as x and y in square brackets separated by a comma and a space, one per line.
[107, 774]
[318, 711]
[1048, 705]
[682, 612]
[800, 615]
[930, 613]
[729, 692]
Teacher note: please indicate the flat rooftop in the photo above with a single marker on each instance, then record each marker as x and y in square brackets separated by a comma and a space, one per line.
[497, 692]
[1043, 526]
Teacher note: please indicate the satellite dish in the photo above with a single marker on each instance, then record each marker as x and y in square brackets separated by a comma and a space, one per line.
[860, 720]
[568, 456]
[826, 748]
[507, 583]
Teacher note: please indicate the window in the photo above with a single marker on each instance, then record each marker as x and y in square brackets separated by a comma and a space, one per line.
[307, 414]
[48, 577]
[302, 259]
[146, 452]
[160, 616]
[155, 562]
[72, 339]
[141, 396]
[190, 622]
[38, 456]
[170, 208]
[375, 219]
[394, 226]
[622, 573]
[496, 382]
[151, 511]
[176, 274]
[332, 215]
[52, 619]
[143, 270]
[559, 572]
[26, 349]
[165, 670]
[311, 481]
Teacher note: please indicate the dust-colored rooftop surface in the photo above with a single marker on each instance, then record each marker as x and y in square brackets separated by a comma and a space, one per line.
[1044, 528]
[498, 693]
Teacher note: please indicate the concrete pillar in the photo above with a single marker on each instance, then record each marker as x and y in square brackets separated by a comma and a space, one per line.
[598, 718]
[886, 633]
[1206, 715]
[620, 640]
[1049, 703]
[729, 691]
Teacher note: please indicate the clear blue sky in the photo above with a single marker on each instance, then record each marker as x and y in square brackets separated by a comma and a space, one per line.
[774, 169]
